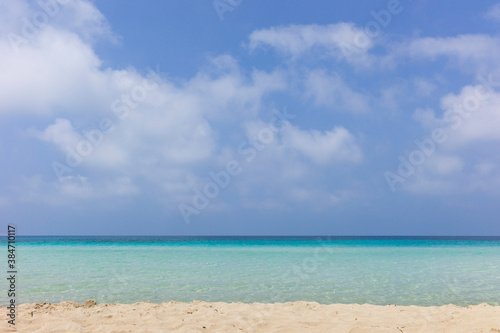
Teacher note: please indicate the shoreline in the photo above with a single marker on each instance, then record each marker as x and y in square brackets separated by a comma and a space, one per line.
[299, 316]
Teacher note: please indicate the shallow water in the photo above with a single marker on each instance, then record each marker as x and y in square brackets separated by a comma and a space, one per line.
[381, 270]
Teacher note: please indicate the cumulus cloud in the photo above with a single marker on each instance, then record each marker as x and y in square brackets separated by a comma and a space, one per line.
[92, 147]
[60, 133]
[466, 159]
[47, 54]
[468, 117]
[336, 145]
[23, 21]
[328, 147]
[157, 135]
[283, 166]
[342, 41]
[163, 138]
[472, 116]
[167, 135]
[58, 72]
[472, 52]
[331, 91]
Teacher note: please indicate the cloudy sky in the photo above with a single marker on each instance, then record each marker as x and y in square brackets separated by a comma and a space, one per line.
[239, 117]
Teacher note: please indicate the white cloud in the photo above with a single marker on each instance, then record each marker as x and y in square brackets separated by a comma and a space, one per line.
[472, 52]
[343, 41]
[332, 91]
[57, 72]
[83, 18]
[467, 159]
[169, 130]
[60, 133]
[445, 164]
[472, 116]
[158, 141]
[469, 117]
[49, 66]
[337, 145]
[287, 169]
[180, 130]
[26, 20]
[320, 147]
[223, 91]
[103, 151]
[168, 140]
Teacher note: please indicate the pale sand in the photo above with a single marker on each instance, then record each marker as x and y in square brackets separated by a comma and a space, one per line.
[238, 317]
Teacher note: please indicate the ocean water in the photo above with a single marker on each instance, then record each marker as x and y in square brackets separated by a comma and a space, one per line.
[377, 270]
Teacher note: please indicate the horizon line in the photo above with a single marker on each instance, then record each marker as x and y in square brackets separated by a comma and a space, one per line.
[149, 235]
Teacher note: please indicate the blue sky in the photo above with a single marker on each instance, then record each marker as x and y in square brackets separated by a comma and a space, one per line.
[234, 117]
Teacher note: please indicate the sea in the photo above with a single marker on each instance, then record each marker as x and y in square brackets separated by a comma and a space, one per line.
[424, 271]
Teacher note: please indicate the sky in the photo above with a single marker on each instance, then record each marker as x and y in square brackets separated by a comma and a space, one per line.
[239, 117]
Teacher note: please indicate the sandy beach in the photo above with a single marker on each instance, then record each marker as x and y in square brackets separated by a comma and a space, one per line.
[201, 316]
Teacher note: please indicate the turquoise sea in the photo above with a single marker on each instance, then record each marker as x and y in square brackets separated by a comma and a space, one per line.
[376, 270]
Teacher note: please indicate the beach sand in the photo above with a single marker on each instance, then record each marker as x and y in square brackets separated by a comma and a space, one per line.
[201, 316]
